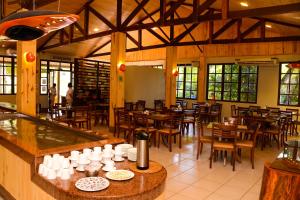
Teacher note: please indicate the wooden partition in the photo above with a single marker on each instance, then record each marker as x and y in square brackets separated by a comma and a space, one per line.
[91, 78]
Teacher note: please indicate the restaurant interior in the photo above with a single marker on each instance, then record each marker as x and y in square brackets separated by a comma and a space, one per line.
[149, 99]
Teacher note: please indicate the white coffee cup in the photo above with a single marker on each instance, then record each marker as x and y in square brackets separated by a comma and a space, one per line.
[65, 174]
[74, 154]
[109, 164]
[97, 149]
[87, 152]
[108, 146]
[50, 162]
[55, 156]
[71, 170]
[59, 173]
[45, 171]
[51, 174]
[65, 163]
[132, 154]
[46, 158]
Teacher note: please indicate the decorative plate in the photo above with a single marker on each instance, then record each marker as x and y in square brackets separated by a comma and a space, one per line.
[119, 175]
[92, 184]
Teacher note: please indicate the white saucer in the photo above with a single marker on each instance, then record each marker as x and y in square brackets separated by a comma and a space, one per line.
[119, 160]
[108, 170]
[80, 170]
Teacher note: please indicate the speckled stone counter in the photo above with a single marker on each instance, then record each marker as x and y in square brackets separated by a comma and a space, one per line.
[22, 148]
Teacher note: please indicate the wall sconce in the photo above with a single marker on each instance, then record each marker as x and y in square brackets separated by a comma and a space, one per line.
[122, 67]
[175, 72]
[30, 57]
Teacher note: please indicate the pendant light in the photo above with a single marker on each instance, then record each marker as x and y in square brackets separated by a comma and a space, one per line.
[33, 24]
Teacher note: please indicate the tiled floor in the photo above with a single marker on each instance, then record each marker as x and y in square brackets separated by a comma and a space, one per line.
[189, 178]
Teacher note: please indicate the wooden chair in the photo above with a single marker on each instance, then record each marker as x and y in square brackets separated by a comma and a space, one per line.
[184, 104]
[81, 117]
[142, 123]
[223, 139]
[233, 111]
[195, 105]
[202, 139]
[158, 105]
[215, 112]
[189, 118]
[294, 121]
[249, 144]
[171, 128]
[125, 124]
[140, 105]
[115, 118]
[128, 106]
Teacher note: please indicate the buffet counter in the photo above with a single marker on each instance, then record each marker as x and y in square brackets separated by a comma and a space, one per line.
[24, 141]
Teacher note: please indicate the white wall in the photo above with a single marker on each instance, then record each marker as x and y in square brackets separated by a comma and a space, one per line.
[144, 83]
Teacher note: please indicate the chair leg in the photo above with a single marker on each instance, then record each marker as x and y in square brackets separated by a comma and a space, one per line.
[233, 160]
[170, 142]
[194, 129]
[252, 157]
[198, 149]
[211, 158]
[179, 135]
[159, 135]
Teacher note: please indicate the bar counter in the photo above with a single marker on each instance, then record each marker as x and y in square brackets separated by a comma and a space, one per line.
[25, 140]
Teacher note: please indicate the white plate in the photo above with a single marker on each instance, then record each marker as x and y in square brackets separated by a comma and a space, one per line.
[91, 184]
[119, 175]
[118, 160]
[80, 169]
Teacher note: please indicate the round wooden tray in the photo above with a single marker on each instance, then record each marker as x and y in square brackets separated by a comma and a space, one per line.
[153, 168]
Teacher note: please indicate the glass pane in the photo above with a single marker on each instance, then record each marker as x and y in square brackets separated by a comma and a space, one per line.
[1, 80]
[245, 69]
[181, 69]
[218, 86]
[193, 94]
[244, 87]
[194, 77]
[226, 96]
[252, 78]
[227, 86]
[1, 70]
[234, 87]
[219, 69]
[1, 89]
[244, 78]
[227, 78]
[293, 99]
[251, 97]
[234, 95]
[218, 95]
[15, 80]
[195, 70]
[15, 89]
[285, 78]
[235, 77]
[227, 68]
[43, 89]
[211, 86]
[253, 69]
[252, 88]
[180, 85]
[283, 99]
[295, 71]
[212, 78]
[188, 77]
[194, 86]
[7, 80]
[187, 94]
[218, 77]
[235, 69]
[285, 68]
[188, 70]
[243, 97]
[210, 95]
[181, 77]
[187, 86]
[284, 89]
[7, 71]
[43, 81]
[294, 78]
[7, 89]
[211, 69]
[294, 89]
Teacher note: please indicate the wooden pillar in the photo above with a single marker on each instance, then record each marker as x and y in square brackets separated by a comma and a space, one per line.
[117, 90]
[26, 78]
[3, 8]
[201, 79]
[171, 66]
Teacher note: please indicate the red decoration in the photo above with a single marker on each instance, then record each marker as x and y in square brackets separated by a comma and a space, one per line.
[122, 67]
[294, 65]
[175, 73]
[30, 57]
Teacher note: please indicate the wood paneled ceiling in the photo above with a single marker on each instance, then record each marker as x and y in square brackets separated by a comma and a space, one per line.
[182, 22]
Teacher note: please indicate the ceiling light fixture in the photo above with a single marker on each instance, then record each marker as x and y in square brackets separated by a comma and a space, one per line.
[154, 28]
[3, 45]
[244, 4]
[268, 26]
[96, 29]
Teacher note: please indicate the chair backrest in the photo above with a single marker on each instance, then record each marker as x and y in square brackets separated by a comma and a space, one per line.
[200, 127]
[81, 111]
[273, 109]
[233, 110]
[216, 107]
[184, 104]
[128, 106]
[175, 121]
[224, 132]
[295, 113]
[158, 105]
[123, 117]
[140, 105]
[140, 119]
[195, 105]
[254, 138]
[231, 120]
[243, 111]
[179, 102]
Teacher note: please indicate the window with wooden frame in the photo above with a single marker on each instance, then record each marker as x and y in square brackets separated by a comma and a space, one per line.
[187, 81]
[231, 82]
[8, 71]
[289, 84]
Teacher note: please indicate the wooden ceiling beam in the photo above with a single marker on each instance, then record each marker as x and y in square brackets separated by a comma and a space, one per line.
[28, 4]
[162, 10]
[132, 39]
[139, 7]
[52, 35]
[250, 29]
[158, 36]
[224, 28]
[97, 49]
[119, 14]
[278, 22]
[102, 18]
[171, 10]
[225, 9]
